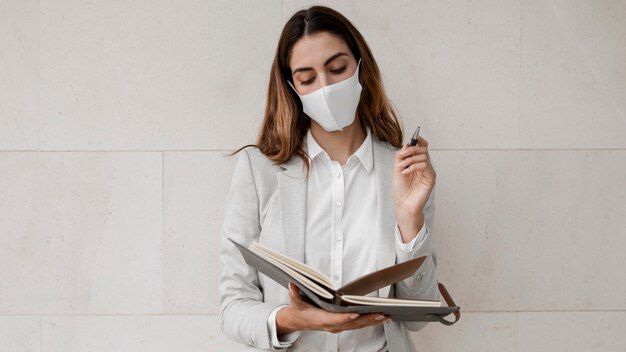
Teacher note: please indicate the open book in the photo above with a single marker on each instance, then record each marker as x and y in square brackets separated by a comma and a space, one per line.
[351, 297]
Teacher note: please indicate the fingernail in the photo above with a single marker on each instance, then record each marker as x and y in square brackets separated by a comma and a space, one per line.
[404, 171]
[380, 317]
[354, 316]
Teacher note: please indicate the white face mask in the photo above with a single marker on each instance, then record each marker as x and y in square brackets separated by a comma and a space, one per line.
[334, 106]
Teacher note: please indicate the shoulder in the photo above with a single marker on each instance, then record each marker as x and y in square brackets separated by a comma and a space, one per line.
[257, 161]
[254, 165]
[255, 170]
[383, 146]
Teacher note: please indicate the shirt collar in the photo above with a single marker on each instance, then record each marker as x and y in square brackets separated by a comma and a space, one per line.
[363, 153]
[313, 148]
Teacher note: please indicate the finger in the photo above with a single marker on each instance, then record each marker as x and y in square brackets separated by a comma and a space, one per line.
[421, 166]
[340, 319]
[372, 323]
[411, 160]
[409, 151]
[373, 319]
[337, 322]
[425, 168]
[400, 154]
[366, 320]
[294, 294]
[293, 289]
[423, 142]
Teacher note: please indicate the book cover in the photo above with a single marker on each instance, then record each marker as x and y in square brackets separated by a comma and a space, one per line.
[351, 297]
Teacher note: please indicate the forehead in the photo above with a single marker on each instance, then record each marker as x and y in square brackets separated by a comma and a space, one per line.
[313, 50]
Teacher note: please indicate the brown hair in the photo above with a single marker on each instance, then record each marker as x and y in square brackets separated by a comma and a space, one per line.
[285, 124]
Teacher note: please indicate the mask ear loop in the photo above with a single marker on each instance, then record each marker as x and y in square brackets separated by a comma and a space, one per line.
[358, 74]
[292, 87]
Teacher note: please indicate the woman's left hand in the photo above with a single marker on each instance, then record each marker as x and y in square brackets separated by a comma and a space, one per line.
[412, 182]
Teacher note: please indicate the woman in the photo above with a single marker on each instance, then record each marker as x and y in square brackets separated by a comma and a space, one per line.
[328, 183]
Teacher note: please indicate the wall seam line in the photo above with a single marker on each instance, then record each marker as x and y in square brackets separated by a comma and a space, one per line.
[162, 310]
[519, 77]
[38, 79]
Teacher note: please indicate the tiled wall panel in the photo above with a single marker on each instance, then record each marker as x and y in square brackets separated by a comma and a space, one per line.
[20, 333]
[80, 233]
[18, 75]
[153, 75]
[195, 187]
[532, 230]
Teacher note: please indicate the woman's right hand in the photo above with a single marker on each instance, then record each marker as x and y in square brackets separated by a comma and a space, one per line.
[300, 315]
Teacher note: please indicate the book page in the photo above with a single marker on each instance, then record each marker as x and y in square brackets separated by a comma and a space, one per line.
[311, 285]
[382, 301]
[295, 265]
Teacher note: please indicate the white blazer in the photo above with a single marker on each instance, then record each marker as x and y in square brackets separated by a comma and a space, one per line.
[267, 203]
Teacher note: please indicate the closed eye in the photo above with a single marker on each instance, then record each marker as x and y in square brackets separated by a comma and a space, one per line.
[337, 72]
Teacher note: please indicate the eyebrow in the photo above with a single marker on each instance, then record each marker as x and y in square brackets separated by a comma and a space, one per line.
[341, 53]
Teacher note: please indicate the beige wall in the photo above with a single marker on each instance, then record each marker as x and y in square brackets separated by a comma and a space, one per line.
[114, 118]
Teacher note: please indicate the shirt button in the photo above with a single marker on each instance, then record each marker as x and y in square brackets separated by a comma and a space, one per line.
[338, 204]
[339, 238]
[335, 278]
[338, 175]
[420, 277]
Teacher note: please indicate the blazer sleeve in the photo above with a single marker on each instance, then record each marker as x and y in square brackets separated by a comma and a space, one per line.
[243, 312]
[423, 284]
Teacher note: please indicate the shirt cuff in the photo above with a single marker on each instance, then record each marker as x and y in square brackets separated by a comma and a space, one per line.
[410, 250]
[287, 339]
[415, 243]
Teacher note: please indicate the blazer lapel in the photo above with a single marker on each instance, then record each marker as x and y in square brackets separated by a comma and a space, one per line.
[385, 215]
[292, 193]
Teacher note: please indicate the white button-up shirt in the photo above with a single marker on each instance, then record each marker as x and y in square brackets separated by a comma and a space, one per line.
[341, 239]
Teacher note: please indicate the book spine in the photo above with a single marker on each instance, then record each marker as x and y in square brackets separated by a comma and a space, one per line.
[337, 298]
